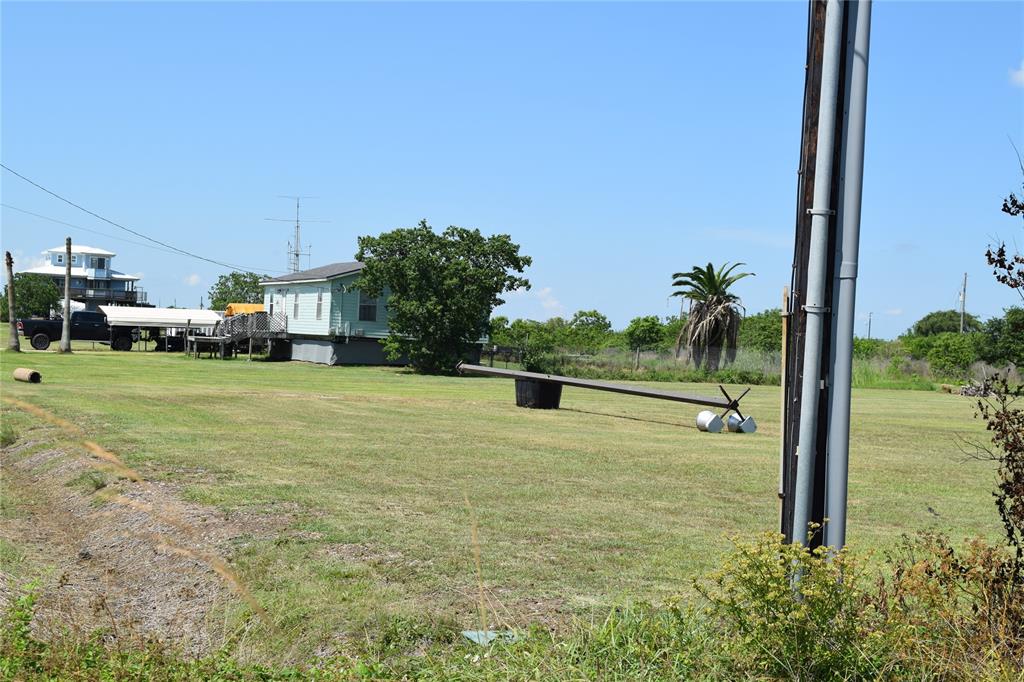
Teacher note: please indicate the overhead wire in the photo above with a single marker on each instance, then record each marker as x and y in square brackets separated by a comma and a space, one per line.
[164, 244]
[90, 230]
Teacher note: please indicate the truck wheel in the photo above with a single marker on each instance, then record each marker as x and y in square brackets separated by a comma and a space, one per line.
[40, 341]
[122, 343]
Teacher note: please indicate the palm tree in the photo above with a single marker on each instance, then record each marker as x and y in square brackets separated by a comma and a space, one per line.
[715, 313]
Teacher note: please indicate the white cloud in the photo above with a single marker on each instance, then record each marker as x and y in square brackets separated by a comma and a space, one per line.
[543, 296]
[192, 280]
[1017, 75]
[895, 312]
[547, 300]
[23, 262]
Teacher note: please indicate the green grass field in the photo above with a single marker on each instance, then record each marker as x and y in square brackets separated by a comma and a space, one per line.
[611, 498]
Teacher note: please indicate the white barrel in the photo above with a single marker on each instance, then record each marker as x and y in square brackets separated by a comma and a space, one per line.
[709, 421]
[737, 425]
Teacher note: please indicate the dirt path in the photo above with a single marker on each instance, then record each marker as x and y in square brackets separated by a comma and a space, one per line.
[112, 553]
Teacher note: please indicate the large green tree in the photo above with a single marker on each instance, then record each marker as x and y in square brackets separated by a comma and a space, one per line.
[441, 288]
[643, 333]
[34, 295]
[235, 287]
[588, 331]
[1004, 338]
[943, 321]
[715, 312]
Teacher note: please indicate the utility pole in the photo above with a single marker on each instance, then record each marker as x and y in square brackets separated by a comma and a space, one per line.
[963, 302]
[819, 343]
[869, 325]
[13, 343]
[295, 251]
[65, 331]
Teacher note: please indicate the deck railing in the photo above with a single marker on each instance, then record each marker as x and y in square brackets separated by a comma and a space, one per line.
[252, 325]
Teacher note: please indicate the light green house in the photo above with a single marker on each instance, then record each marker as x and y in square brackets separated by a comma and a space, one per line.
[328, 319]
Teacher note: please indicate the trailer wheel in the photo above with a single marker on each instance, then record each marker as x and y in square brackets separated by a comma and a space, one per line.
[40, 341]
[122, 343]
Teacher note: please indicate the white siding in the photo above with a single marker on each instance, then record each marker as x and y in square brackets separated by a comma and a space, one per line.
[286, 295]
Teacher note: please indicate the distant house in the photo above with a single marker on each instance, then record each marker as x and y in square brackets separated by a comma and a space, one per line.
[94, 282]
[328, 319]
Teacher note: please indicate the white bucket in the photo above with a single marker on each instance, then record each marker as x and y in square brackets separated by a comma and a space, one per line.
[745, 425]
[709, 421]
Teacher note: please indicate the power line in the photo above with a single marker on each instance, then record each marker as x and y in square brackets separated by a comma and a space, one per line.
[86, 229]
[106, 234]
[182, 252]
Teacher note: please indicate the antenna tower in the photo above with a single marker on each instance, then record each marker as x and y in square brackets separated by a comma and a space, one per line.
[295, 251]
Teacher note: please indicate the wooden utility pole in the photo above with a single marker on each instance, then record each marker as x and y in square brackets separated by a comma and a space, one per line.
[65, 332]
[13, 343]
[963, 302]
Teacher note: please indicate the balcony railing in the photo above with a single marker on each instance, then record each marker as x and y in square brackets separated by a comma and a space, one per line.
[135, 296]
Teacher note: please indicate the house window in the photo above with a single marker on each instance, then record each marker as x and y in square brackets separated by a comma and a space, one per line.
[295, 305]
[101, 263]
[60, 259]
[74, 258]
[367, 308]
[319, 303]
[271, 307]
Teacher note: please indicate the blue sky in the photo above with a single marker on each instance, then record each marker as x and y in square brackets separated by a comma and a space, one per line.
[617, 143]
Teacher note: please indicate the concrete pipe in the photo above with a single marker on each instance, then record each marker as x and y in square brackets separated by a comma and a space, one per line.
[29, 375]
[709, 421]
[737, 425]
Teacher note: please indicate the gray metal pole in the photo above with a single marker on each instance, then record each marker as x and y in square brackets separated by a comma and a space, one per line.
[65, 331]
[848, 220]
[817, 267]
[13, 342]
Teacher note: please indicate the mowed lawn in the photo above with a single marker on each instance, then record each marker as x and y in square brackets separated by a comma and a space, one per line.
[610, 498]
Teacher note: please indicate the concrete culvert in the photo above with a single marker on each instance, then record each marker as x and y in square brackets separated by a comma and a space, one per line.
[27, 375]
[736, 424]
[709, 421]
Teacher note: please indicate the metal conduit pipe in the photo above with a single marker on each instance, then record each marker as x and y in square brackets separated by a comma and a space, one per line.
[848, 220]
[816, 270]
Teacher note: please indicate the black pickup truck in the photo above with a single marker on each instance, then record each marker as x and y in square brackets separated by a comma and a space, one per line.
[85, 326]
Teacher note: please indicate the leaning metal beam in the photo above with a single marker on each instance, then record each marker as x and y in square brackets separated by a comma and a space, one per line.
[723, 403]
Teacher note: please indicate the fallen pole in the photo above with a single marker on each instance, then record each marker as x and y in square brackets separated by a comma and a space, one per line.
[725, 403]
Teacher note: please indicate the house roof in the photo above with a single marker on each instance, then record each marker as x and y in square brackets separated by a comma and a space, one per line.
[87, 250]
[324, 272]
[58, 271]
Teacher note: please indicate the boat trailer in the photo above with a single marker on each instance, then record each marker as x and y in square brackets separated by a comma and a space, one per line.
[544, 391]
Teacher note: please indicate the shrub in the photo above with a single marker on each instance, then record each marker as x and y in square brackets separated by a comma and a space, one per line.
[762, 332]
[959, 613]
[867, 349]
[951, 354]
[827, 631]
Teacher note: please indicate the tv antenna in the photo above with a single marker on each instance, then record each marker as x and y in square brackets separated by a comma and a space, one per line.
[295, 251]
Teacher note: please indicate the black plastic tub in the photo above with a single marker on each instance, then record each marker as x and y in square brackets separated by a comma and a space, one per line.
[538, 395]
